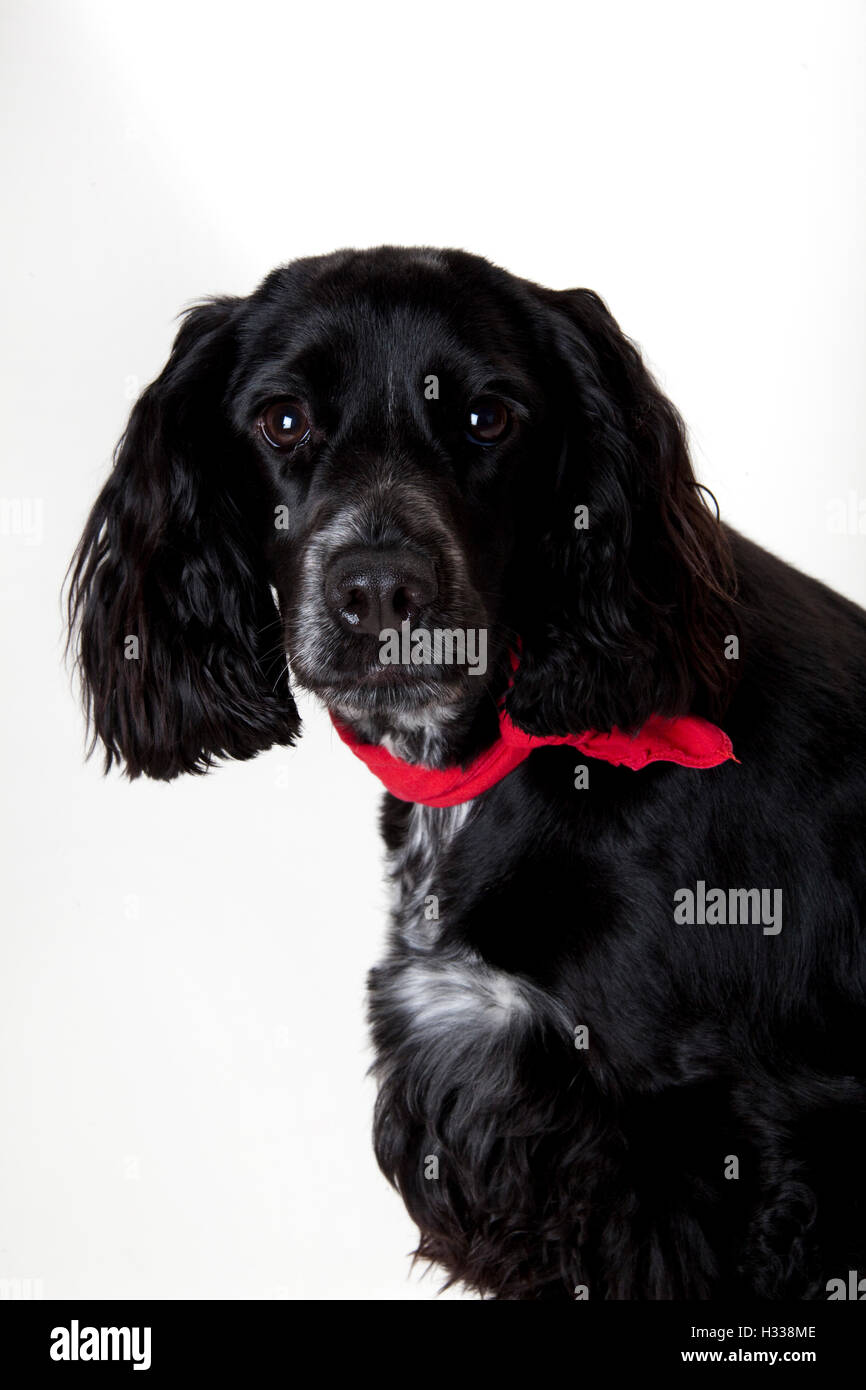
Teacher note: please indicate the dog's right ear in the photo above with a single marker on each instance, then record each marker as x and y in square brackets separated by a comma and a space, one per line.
[627, 614]
[178, 637]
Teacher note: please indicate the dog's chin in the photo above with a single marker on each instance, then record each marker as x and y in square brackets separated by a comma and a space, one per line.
[400, 694]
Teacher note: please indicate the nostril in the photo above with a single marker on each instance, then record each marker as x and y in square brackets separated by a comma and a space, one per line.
[409, 598]
[354, 606]
[404, 602]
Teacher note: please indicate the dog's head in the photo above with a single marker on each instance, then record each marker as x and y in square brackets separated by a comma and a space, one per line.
[372, 449]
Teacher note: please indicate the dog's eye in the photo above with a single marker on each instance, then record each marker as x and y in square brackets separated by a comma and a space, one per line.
[284, 424]
[488, 421]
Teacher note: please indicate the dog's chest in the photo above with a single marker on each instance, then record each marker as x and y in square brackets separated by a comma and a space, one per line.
[453, 1033]
[418, 870]
[431, 984]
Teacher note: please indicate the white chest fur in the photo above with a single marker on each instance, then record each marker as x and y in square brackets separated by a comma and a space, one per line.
[418, 870]
[438, 988]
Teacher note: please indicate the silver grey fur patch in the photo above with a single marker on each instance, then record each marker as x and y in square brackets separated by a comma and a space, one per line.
[413, 869]
[444, 992]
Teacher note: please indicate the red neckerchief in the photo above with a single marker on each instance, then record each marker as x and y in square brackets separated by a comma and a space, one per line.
[687, 740]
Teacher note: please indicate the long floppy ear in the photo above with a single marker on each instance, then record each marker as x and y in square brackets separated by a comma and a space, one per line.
[178, 635]
[629, 602]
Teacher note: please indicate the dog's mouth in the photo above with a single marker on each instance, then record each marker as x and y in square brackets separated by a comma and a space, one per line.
[419, 671]
[380, 688]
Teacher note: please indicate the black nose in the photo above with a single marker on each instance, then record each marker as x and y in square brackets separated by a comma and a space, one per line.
[370, 590]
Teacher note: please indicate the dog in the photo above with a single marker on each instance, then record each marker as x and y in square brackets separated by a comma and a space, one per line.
[619, 1027]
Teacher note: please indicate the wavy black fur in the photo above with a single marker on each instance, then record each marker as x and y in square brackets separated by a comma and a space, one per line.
[556, 1167]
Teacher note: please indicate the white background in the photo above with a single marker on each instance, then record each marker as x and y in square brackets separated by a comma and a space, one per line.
[183, 1106]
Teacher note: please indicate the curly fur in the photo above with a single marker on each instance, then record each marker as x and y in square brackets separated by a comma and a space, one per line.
[533, 1168]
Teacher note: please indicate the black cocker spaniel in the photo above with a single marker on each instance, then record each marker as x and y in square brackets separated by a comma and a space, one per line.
[619, 1028]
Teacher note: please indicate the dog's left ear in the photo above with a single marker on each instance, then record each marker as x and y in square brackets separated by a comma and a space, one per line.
[170, 605]
[631, 577]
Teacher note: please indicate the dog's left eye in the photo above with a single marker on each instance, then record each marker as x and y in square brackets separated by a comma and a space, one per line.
[488, 420]
[284, 424]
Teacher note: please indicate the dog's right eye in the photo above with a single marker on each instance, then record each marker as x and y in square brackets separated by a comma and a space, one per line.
[488, 420]
[284, 424]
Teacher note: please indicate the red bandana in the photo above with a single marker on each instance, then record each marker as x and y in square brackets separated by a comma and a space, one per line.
[688, 740]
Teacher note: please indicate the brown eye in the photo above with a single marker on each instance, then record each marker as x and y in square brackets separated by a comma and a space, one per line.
[489, 420]
[284, 424]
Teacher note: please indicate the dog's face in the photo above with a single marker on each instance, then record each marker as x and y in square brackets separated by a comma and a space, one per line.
[395, 415]
[399, 444]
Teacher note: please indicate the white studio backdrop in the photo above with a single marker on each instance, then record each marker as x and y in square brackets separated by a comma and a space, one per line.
[183, 1103]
